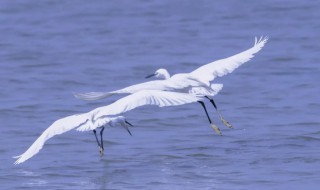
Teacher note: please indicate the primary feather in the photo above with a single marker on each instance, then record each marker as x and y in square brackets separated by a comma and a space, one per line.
[58, 127]
[219, 68]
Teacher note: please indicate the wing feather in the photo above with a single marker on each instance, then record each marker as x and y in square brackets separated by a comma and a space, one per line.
[225, 66]
[145, 97]
[150, 85]
[58, 127]
[91, 96]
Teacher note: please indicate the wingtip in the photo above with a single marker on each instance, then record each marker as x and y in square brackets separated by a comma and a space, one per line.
[262, 38]
[18, 161]
[16, 157]
[262, 41]
[79, 96]
[75, 94]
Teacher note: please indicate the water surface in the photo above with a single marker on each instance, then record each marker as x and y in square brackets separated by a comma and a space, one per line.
[51, 48]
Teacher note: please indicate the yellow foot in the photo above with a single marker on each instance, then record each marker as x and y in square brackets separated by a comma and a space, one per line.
[216, 129]
[226, 123]
[101, 152]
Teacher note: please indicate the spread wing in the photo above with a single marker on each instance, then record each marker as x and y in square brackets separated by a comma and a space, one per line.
[100, 115]
[225, 66]
[145, 97]
[58, 127]
[150, 85]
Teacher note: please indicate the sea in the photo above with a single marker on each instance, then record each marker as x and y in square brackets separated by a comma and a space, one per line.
[50, 49]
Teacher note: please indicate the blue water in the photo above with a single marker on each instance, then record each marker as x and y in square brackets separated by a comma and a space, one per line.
[48, 49]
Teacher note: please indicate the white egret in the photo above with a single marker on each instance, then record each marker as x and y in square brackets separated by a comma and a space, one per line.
[183, 82]
[199, 91]
[102, 116]
[188, 82]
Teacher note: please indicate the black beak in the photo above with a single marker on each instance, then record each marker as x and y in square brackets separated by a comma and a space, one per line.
[149, 76]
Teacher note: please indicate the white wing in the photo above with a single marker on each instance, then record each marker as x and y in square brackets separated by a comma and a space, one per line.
[145, 97]
[58, 127]
[150, 85]
[99, 116]
[141, 98]
[225, 66]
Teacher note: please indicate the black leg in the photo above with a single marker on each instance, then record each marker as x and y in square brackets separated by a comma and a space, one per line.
[214, 127]
[212, 102]
[95, 134]
[204, 107]
[101, 132]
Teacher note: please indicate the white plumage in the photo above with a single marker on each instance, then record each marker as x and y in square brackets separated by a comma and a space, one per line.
[184, 82]
[193, 85]
[219, 68]
[107, 115]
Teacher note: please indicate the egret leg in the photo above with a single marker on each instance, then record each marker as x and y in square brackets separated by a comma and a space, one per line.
[101, 147]
[214, 127]
[225, 122]
[95, 134]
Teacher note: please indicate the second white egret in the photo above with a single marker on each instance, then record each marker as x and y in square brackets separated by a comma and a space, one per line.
[102, 116]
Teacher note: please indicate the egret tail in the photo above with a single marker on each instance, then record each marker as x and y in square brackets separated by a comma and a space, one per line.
[91, 96]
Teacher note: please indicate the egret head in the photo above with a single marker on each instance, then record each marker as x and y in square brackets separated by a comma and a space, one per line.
[121, 121]
[160, 73]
